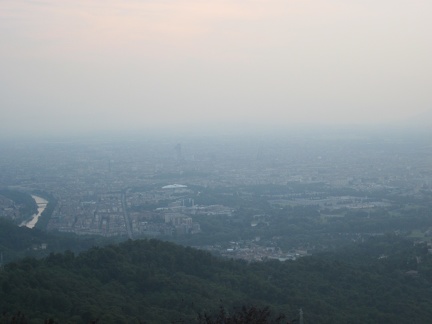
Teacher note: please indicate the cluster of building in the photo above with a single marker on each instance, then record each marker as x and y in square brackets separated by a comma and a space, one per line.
[8, 208]
[252, 251]
[112, 187]
[124, 213]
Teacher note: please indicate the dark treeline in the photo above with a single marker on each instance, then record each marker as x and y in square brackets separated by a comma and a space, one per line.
[385, 280]
[18, 242]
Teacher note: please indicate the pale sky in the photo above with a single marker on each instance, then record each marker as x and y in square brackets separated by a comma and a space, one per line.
[135, 64]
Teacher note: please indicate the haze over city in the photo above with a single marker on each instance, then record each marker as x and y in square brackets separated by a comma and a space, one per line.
[80, 66]
[197, 161]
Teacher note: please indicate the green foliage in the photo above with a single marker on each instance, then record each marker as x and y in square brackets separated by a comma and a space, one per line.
[160, 282]
[18, 242]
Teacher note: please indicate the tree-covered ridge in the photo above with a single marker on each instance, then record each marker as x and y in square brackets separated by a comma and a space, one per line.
[18, 242]
[159, 282]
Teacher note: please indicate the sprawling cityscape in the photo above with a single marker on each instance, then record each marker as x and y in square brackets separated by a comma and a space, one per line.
[178, 188]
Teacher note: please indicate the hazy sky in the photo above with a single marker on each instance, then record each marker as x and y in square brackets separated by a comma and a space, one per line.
[79, 65]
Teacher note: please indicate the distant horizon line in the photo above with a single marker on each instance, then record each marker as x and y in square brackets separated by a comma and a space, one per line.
[225, 130]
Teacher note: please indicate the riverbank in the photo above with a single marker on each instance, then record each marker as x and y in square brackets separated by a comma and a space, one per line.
[41, 203]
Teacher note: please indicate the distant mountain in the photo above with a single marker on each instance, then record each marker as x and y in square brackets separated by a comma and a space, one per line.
[386, 280]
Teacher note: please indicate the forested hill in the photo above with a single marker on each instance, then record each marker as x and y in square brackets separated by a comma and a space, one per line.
[159, 282]
[18, 242]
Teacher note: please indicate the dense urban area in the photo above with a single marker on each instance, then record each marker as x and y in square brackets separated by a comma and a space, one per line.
[320, 227]
[251, 197]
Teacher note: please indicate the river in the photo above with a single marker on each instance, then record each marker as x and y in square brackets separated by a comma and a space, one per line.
[41, 203]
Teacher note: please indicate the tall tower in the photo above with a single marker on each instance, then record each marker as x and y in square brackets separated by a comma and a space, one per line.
[300, 316]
